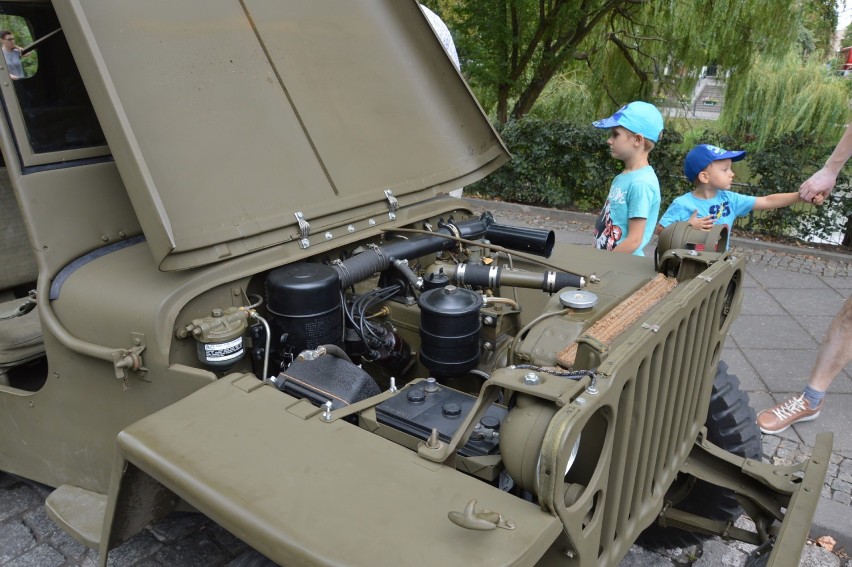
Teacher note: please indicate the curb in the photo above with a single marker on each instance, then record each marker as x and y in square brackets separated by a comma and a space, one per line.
[589, 218]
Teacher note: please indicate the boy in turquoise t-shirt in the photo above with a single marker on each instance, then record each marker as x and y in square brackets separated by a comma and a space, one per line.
[711, 202]
[627, 220]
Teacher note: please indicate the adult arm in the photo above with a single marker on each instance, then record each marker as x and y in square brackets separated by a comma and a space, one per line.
[822, 182]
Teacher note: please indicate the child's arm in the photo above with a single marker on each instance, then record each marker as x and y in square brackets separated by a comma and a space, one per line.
[635, 230]
[775, 201]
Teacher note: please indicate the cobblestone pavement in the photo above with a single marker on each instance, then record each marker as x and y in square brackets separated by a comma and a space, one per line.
[28, 538]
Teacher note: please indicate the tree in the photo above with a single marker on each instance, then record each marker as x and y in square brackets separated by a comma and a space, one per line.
[632, 48]
[786, 96]
[819, 22]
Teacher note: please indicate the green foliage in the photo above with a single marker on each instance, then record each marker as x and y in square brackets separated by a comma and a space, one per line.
[781, 96]
[781, 166]
[819, 22]
[559, 164]
[513, 49]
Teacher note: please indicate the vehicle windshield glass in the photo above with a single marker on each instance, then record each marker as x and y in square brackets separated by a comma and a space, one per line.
[56, 109]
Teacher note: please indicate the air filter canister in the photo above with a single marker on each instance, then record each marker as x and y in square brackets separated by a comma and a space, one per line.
[304, 303]
[449, 330]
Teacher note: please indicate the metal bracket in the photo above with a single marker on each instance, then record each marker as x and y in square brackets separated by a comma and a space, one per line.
[304, 230]
[126, 360]
[393, 204]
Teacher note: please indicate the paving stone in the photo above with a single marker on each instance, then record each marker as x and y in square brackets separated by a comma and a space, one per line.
[717, 553]
[842, 497]
[177, 526]
[41, 556]
[638, 556]
[815, 556]
[228, 541]
[68, 546]
[15, 539]
[89, 559]
[841, 486]
[195, 550]
[42, 526]
[255, 559]
[18, 499]
[137, 548]
[807, 302]
[832, 470]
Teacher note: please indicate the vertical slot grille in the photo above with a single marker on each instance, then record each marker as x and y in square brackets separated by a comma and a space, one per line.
[665, 391]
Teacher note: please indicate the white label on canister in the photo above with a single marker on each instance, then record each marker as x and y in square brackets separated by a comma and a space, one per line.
[220, 352]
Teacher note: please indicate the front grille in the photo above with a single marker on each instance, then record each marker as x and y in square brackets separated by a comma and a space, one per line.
[656, 386]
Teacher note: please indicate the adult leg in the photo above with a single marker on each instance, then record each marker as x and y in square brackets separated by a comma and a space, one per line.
[834, 354]
[836, 349]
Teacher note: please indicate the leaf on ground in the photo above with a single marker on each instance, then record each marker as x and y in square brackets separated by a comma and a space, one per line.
[826, 542]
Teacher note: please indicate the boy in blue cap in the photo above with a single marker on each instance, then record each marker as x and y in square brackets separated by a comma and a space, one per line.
[711, 202]
[629, 216]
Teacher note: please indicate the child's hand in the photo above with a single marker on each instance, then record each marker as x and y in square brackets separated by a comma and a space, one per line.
[703, 223]
[818, 199]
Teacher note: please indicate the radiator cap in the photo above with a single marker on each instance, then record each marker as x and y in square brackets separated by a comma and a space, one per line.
[578, 299]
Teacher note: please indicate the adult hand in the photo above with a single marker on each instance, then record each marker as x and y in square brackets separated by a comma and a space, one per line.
[819, 184]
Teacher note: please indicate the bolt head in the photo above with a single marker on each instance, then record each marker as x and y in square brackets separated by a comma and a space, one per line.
[532, 379]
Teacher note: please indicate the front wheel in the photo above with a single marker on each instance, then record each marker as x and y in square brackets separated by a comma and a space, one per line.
[731, 425]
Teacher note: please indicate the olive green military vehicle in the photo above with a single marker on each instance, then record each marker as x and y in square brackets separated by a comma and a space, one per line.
[252, 297]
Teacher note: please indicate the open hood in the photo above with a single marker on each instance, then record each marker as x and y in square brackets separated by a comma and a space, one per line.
[227, 117]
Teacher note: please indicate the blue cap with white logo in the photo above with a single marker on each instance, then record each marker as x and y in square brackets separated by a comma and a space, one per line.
[703, 155]
[638, 117]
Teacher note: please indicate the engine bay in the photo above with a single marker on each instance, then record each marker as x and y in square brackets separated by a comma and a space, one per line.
[400, 335]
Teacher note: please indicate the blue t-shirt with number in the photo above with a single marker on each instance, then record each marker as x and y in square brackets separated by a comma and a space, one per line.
[725, 207]
[632, 195]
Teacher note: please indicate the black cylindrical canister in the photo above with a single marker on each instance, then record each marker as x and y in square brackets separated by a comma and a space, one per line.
[449, 330]
[304, 304]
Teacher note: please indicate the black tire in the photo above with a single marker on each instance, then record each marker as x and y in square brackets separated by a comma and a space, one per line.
[731, 424]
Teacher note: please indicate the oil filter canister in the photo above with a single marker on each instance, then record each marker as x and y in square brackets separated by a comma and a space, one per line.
[304, 306]
[449, 330]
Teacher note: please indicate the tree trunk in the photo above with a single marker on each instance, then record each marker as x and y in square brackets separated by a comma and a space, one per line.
[847, 233]
[502, 103]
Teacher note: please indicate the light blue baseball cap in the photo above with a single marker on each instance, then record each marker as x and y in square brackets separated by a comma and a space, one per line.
[638, 117]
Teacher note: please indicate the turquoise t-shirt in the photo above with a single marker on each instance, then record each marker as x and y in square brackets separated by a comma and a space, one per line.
[725, 207]
[632, 195]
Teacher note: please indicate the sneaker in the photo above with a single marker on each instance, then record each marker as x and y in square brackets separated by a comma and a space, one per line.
[796, 409]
